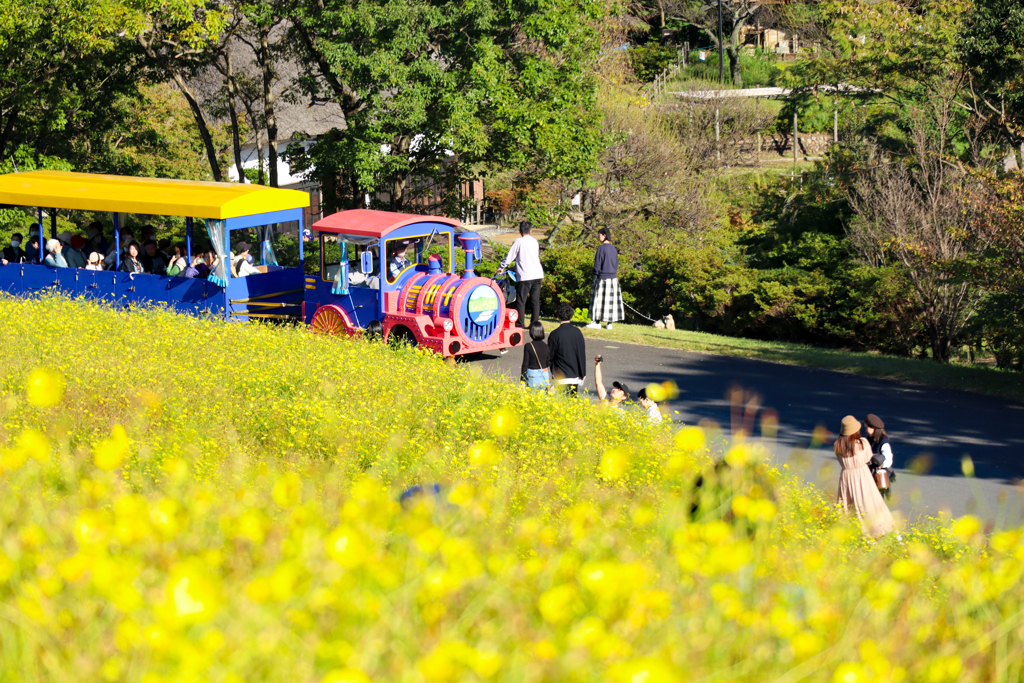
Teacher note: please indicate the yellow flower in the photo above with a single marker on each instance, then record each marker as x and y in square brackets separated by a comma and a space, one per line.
[849, 672]
[193, 592]
[907, 570]
[504, 422]
[646, 670]
[110, 453]
[287, 490]
[347, 547]
[966, 527]
[690, 439]
[484, 453]
[559, 605]
[345, 676]
[31, 443]
[545, 649]
[44, 388]
[614, 464]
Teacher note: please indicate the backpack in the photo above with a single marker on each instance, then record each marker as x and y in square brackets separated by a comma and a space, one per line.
[508, 288]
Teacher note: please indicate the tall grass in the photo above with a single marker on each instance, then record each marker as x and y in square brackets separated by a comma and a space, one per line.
[196, 500]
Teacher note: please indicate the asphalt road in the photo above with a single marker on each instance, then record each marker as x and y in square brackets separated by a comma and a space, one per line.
[931, 429]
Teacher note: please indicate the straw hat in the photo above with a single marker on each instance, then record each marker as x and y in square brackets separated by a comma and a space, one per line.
[849, 426]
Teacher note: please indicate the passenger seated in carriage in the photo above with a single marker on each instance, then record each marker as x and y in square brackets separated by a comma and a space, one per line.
[14, 253]
[356, 277]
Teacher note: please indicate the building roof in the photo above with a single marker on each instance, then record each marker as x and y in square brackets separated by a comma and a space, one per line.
[367, 223]
[153, 196]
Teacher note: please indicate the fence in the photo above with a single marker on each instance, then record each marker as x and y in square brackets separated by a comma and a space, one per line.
[655, 90]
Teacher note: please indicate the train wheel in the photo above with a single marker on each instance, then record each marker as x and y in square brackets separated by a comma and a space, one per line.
[402, 336]
[329, 319]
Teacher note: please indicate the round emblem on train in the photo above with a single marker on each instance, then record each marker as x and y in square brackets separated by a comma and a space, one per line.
[483, 305]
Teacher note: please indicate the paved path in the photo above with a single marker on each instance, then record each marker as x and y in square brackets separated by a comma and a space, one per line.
[939, 425]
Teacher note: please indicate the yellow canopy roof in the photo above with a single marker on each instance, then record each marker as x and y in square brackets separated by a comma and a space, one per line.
[155, 196]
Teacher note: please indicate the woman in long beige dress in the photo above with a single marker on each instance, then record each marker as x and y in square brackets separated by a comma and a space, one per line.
[857, 487]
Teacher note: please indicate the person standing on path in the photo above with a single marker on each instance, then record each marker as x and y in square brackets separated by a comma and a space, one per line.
[881, 451]
[536, 369]
[856, 485]
[525, 252]
[568, 351]
[606, 300]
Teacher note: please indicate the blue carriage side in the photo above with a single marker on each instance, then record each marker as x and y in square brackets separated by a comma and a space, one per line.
[272, 292]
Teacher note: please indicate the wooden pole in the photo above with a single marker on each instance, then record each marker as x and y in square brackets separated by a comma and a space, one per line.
[796, 141]
[718, 134]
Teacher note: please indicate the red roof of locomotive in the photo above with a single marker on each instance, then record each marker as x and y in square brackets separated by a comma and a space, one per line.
[369, 223]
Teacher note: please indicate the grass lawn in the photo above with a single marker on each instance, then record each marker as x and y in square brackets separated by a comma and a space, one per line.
[981, 379]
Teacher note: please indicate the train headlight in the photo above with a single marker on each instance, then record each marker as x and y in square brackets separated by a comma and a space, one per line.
[513, 315]
[448, 325]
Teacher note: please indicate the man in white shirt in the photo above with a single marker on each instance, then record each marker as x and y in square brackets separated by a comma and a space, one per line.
[526, 253]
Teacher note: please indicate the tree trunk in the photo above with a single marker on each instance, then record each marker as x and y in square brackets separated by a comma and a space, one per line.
[734, 66]
[268, 105]
[197, 112]
[939, 343]
[235, 134]
[400, 148]
[733, 50]
[357, 197]
[254, 122]
[8, 130]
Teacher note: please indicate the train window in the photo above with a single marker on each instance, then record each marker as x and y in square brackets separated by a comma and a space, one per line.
[330, 257]
[409, 252]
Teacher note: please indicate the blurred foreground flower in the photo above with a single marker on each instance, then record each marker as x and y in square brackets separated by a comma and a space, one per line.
[690, 439]
[110, 453]
[44, 388]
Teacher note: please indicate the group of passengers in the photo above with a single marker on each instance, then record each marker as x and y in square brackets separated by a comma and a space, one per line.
[145, 256]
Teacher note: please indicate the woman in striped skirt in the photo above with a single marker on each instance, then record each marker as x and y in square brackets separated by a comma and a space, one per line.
[606, 301]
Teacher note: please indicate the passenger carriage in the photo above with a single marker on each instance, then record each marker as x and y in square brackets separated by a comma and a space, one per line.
[423, 303]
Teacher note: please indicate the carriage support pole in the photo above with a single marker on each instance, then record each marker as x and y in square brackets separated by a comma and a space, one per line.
[188, 241]
[41, 233]
[117, 243]
[53, 223]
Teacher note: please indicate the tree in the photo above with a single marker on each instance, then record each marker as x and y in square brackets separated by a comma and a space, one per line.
[736, 14]
[56, 61]
[180, 38]
[991, 45]
[918, 214]
[443, 90]
[997, 264]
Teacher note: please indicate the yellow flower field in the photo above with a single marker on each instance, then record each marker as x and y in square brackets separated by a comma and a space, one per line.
[191, 500]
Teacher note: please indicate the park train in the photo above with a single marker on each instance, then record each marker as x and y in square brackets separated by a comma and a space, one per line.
[352, 286]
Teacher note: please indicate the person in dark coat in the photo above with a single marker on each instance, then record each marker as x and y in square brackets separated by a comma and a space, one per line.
[881, 449]
[32, 250]
[130, 263]
[606, 301]
[568, 351]
[14, 253]
[536, 370]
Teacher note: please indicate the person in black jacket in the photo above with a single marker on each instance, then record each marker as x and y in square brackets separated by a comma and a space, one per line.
[568, 351]
[14, 253]
[536, 357]
[606, 301]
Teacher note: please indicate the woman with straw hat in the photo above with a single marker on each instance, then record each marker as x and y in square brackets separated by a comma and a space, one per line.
[857, 487]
